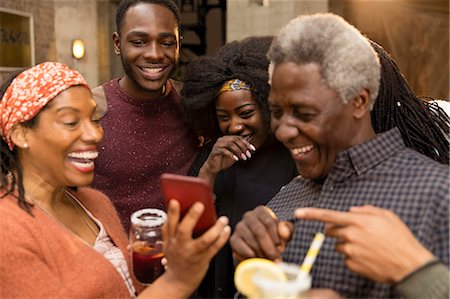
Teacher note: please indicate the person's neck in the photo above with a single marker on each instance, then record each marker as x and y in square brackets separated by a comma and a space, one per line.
[366, 136]
[364, 132]
[137, 92]
[39, 190]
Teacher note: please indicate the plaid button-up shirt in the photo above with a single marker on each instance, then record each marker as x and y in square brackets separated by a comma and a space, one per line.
[382, 172]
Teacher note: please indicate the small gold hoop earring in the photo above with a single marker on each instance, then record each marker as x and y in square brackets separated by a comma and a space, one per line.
[9, 176]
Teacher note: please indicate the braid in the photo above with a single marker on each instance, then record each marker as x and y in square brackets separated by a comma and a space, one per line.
[11, 175]
[423, 126]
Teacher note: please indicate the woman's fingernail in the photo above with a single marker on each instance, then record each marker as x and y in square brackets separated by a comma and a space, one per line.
[243, 156]
[248, 153]
[252, 147]
[235, 158]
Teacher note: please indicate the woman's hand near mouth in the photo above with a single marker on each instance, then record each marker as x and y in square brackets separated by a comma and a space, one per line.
[226, 151]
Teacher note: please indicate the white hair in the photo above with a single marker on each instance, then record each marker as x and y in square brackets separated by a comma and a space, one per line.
[347, 61]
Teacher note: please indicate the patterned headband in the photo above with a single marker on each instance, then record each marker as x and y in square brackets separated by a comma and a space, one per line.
[31, 90]
[235, 84]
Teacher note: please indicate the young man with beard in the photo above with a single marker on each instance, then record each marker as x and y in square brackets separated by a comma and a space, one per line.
[144, 130]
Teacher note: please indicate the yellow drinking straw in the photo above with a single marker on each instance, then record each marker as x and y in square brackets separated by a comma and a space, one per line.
[312, 253]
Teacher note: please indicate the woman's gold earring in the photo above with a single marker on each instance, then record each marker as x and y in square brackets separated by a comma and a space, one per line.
[25, 145]
[9, 177]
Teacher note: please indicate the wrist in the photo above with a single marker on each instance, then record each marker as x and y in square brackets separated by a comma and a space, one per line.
[167, 286]
[208, 175]
[412, 263]
[206, 171]
[179, 287]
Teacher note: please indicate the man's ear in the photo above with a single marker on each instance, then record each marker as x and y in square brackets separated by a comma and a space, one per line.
[19, 136]
[116, 42]
[361, 103]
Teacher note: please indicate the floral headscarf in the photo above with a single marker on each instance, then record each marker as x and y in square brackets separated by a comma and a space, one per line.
[31, 90]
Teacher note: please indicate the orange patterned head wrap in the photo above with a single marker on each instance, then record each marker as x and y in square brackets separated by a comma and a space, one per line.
[31, 90]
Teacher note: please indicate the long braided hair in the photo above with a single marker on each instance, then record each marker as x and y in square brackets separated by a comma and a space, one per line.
[11, 176]
[424, 125]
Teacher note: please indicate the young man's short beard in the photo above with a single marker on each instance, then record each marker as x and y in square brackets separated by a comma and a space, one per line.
[129, 73]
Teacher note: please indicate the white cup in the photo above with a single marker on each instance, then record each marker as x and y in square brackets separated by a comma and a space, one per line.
[292, 288]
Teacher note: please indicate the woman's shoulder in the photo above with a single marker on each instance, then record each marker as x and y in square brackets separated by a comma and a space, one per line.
[9, 205]
[15, 220]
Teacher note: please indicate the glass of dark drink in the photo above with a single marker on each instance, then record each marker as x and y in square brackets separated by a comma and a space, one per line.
[146, 244]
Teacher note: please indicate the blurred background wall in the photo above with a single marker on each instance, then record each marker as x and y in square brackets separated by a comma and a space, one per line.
[415, 32]
[43, 13]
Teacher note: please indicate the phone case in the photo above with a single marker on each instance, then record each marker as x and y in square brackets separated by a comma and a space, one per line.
[188, 190]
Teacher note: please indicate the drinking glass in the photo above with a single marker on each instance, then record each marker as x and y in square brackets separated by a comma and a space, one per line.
[292, 288]
[146, 244]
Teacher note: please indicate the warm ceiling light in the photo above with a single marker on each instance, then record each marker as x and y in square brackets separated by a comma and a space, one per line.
[78, 48]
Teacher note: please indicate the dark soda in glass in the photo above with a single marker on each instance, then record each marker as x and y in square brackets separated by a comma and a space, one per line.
[146, 244]
[147, 262]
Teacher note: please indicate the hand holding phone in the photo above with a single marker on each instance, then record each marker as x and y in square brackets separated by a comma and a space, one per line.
[188, 190]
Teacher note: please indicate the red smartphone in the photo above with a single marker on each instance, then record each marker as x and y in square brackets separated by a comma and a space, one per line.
[188, 190]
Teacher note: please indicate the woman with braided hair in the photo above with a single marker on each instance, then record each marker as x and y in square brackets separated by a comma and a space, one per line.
[225, 97]
[423, 124]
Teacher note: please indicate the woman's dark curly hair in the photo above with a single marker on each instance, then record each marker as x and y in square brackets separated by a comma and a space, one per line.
[245, 60]
[424, 126]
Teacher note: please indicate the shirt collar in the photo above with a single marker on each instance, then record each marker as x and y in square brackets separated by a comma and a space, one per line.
[365, 156]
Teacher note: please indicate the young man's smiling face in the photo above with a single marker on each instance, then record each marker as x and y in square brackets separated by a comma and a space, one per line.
[149, 49]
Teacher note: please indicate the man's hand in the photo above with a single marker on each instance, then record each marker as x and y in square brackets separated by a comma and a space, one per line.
[259, 234]
[375, 242]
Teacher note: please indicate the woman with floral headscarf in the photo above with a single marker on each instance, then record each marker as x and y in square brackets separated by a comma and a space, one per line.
[60, 239]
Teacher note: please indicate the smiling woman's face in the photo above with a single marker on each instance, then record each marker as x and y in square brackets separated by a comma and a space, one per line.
[239, 114]
[63, 143]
